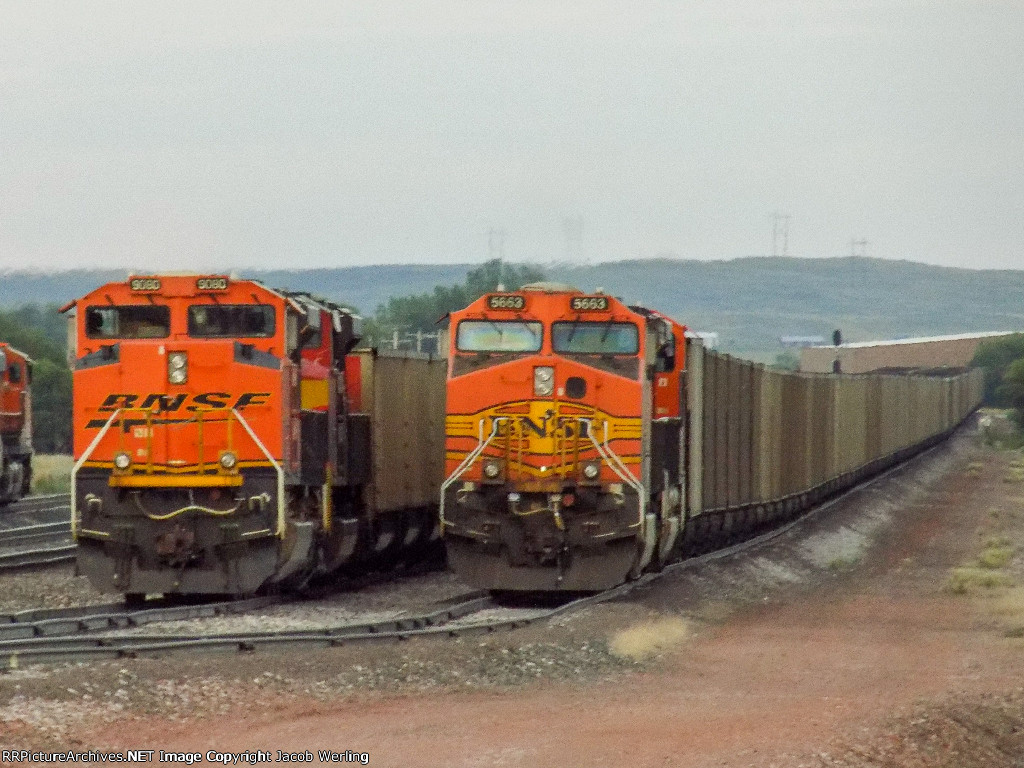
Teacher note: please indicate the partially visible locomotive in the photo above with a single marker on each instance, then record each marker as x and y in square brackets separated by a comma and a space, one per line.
[15, 424]
[226, 439]
[588, 441]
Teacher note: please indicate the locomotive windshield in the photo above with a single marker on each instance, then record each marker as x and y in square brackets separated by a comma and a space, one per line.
[595, 338]
[128, 322]
[220, 320]
[499, 336]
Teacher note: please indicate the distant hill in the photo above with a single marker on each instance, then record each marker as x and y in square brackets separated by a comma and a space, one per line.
[750, 302]
[360, 287]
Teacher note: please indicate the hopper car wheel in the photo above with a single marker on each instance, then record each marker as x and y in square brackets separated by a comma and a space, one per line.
[134, 599]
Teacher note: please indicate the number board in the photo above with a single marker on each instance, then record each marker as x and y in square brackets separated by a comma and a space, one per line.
[212, 284]
[144, 284]
[506, 301]
[588, 303]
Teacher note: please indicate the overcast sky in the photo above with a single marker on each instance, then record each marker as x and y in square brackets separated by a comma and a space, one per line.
[333, 133]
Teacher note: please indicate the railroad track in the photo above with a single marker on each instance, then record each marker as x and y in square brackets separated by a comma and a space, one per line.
[44, 503]
[36, 531]
[60, 638]
[35, 638]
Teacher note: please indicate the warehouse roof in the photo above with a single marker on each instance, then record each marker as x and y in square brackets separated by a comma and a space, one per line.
[919, 340]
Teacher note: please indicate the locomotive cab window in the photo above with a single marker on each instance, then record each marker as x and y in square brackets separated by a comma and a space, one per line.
[595, 338]
[230, 320]
[141, 321]
[499, 336]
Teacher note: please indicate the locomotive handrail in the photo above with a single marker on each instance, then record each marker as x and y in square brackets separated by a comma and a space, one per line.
[78, 465]
[281, 525]
[616, 464]
[619, 468]
[467, 462]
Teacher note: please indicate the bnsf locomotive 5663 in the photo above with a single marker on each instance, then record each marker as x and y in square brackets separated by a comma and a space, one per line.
[225, 439]
[588, 441]
[15, 424]
[555, 399]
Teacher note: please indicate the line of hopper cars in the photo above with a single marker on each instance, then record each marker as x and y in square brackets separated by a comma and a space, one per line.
[230, 438]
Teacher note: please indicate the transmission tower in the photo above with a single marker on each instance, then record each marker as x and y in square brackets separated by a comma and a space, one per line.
[496, 250]
[858, 247]
[780, 234]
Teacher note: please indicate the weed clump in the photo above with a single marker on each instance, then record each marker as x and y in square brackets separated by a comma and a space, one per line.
[965, 580]
[649, 638]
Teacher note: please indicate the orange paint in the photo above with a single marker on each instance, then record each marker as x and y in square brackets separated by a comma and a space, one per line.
[233, 333]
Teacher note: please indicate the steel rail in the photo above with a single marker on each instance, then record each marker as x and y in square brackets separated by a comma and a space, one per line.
[67, 622]
[37, 532]
[31, 558]
[47, 648]
[38, 503]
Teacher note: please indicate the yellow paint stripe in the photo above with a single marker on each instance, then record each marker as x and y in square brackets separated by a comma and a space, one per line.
[174, 481]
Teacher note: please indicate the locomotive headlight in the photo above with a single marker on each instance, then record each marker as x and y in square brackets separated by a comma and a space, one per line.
[177, 367]
[228, 460]
[591, 470]
[543, 380]
[122, 460]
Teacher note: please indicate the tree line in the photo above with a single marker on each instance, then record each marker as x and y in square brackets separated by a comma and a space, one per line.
[424, 312]
[1002, 360]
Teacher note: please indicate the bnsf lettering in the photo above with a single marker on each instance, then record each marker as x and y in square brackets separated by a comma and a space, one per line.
[169, 404]
[164, 402]
[211, 400]
[546, 428]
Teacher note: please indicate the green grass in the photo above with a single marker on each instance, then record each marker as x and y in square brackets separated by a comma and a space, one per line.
[51, 473]
[1014, 475]
[964, 580]
[994, 557]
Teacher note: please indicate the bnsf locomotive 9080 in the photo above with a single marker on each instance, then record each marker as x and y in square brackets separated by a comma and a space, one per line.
[15, 424]
[227, 439]
[588, 441]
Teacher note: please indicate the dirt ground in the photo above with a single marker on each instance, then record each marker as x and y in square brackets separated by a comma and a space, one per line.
[885, 631]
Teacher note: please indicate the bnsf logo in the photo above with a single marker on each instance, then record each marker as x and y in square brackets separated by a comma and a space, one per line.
[547, 427]
[169, 404]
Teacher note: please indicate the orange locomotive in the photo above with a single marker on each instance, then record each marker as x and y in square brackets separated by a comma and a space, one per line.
[215, 449]
[563, 435]
[15, 424]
